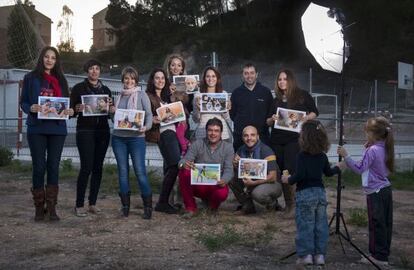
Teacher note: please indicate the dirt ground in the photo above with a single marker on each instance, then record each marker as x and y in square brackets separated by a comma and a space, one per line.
[108, 241]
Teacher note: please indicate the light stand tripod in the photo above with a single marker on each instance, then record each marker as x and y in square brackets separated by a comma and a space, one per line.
[338, 216]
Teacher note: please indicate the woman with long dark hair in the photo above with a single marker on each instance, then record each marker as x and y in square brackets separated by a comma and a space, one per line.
[158, 90]
[45, 137]
[285, 143]
[210, 83]
[92, 138]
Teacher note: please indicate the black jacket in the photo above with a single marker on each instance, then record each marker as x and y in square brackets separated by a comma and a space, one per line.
[89, 122]
[250, 108]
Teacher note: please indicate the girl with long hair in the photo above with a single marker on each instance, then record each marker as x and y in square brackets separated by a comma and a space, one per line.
[311, 219]
[376, 164]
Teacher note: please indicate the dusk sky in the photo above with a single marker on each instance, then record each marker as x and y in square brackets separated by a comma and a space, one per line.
[83, 11]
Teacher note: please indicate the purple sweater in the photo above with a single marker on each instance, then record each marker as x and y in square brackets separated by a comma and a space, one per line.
[372, 166]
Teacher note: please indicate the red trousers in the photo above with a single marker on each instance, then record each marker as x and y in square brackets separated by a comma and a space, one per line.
[214, 195]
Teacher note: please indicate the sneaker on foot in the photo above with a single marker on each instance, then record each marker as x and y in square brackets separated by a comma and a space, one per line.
[377, 262]
[80, 212]
[93, 209]
[189, 214]
[305, 260]
[319, 259]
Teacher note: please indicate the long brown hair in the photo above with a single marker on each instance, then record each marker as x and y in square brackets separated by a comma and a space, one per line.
[313, 138]
[292, 92]
[56, 71]
[203, 85]
[379, 129]
[168, 61]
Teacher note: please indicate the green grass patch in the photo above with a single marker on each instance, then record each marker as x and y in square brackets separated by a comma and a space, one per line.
[110, 184]
[215, 241]
[17, 166]
[399, 180]
[358, 217]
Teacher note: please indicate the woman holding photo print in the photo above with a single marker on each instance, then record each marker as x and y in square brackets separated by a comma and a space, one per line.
[210, 83]
[169, 143]
[45, 137]
[127, 143]
[92, 138]
[285, 143]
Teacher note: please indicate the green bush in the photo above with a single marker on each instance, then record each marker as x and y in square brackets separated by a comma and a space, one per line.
[6, 156]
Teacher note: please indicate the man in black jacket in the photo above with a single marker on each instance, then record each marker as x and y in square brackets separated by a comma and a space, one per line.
[250, 104]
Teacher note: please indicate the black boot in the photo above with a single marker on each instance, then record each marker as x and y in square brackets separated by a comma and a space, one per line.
[126, 202]
[147, 207]
[39, 202]
[51, 201]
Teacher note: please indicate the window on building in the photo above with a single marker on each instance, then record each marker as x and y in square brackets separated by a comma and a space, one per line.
[110, 37]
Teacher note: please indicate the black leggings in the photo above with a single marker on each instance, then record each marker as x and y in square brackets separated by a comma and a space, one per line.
[170, 151]
[92, 146]
[286, 155]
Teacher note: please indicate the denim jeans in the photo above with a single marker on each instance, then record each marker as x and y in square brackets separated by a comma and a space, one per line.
[124, 147]
[46, 151]
[92, 146]
[311, 222]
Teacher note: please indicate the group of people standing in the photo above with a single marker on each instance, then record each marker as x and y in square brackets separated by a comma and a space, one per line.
[252, 109]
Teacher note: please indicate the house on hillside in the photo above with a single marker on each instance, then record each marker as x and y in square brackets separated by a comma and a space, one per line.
[42, 24]
[103, 40]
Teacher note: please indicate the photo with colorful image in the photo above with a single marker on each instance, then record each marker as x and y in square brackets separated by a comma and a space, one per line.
[205, 174]
[129, 119]
[252, 168]
[213, 102]
[95, 105]
[291, 120]
[171, 113]
[53, 108]
[187, 83]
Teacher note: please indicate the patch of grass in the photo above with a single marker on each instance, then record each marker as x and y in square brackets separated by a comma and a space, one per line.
[399, 180]
[110, 184]
[405, 261]
[6, 156]
[358, 217]
[67, 170]
[17, 166]
[219, 240]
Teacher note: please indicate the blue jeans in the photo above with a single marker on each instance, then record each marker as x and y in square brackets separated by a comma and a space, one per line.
[134, 146]
[311, 222]
[46, 151]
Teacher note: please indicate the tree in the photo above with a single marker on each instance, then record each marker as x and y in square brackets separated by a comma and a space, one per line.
[22, 39]
[64, 26]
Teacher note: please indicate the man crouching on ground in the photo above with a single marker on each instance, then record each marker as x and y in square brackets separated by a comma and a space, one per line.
[211, 150]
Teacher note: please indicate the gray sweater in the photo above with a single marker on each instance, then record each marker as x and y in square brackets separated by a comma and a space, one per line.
[200, 152]
[143, 104]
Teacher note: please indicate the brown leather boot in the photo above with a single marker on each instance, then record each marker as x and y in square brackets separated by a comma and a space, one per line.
[51, 201]
[289, 195]
[39, 202]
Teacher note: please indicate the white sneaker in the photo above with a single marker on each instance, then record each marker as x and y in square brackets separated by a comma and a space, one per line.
[319, 259]
[80, 212]
[94, 210]
[377, 262]
[305, 260]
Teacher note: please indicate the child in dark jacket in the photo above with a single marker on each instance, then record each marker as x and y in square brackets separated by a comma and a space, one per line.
[311, 218]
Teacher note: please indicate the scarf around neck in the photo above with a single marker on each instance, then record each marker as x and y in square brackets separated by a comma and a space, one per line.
[53, 84]
[133, 97]
[253, 152]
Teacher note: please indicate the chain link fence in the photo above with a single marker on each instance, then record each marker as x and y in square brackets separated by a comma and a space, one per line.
[364, 99]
